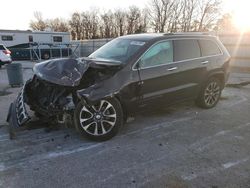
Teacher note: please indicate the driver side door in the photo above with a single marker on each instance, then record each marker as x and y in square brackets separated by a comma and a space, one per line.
[158, 74]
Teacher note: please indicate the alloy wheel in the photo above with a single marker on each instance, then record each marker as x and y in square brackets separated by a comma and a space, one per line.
[212, 93]
[98, 119]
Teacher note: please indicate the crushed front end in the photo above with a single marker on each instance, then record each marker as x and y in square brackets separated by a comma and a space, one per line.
[40, 101]
[53, 92]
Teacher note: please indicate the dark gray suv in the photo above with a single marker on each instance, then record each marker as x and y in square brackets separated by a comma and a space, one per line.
[130, 72]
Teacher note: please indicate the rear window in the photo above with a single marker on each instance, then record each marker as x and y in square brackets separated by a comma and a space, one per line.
[185, 49]
[7, 38]
[209, 47]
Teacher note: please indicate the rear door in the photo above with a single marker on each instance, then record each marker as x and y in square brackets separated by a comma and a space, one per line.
[211, 53]
[192, 68]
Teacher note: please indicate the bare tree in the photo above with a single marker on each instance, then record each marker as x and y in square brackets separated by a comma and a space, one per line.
[39, 24]
[143, 21]
[188, 14]
[90, 22]
[209, 13]
[108, 29]
[76, 26]
[133, 16]
[120, 21]
[86, 24]
[58, 25]
[94, 19]
[160, 12]
[174, 20]
[160, 16]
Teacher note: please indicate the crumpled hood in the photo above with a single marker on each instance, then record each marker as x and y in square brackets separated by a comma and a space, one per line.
[68, 71]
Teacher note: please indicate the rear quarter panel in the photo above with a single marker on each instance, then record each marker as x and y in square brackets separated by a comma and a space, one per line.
[220, 64]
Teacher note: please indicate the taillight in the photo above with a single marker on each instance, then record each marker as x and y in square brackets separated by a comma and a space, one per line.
[7, 51]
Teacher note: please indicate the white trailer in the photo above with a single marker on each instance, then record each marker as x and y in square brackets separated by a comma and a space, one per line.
[12, 38]
[41, 44]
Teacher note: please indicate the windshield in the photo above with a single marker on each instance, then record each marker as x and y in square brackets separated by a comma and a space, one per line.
[118, 49]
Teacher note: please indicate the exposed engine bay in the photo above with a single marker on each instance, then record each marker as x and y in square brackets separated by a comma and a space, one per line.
[46, 99]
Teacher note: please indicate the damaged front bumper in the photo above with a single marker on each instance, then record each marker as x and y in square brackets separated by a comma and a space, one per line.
[18, 114]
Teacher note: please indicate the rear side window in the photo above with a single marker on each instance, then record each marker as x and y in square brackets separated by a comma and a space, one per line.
[209, 47]
[185, 49]
[7, 38]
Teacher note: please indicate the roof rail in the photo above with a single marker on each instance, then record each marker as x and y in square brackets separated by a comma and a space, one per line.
[191, 33]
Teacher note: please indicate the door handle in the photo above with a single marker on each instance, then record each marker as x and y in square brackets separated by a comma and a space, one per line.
[173, 68]
[140, 83]
[204, 62]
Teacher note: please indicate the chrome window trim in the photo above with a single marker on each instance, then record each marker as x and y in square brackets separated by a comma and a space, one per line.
[174, 62]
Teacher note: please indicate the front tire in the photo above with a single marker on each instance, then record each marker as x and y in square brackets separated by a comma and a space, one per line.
[99, 122]
[210, 93]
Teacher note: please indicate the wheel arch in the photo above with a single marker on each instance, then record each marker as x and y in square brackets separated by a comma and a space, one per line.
[123, 105]
[220, 75]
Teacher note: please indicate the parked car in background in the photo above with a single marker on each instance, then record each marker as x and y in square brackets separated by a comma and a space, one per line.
[121, 78]
[5, 57]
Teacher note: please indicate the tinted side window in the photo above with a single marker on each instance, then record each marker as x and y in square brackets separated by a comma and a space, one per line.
[186, 49]
[7, 38]
[57, 38]
[159, 54]
[209, 47]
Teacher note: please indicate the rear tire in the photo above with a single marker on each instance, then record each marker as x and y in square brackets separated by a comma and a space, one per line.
[210, 93]
[99, 122]
[46, 56]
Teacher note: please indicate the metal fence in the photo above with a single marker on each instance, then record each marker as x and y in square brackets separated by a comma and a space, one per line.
[41, 51]
[85, 47]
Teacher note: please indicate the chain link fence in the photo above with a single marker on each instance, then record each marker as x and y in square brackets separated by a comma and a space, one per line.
[86, 47]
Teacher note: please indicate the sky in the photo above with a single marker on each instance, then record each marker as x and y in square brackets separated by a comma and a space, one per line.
[19, 14]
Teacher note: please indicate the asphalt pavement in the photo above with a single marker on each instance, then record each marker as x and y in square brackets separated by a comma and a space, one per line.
[177, 146]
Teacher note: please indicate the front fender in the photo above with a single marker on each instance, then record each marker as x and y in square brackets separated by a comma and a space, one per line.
[104, 89]
[95, 93]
